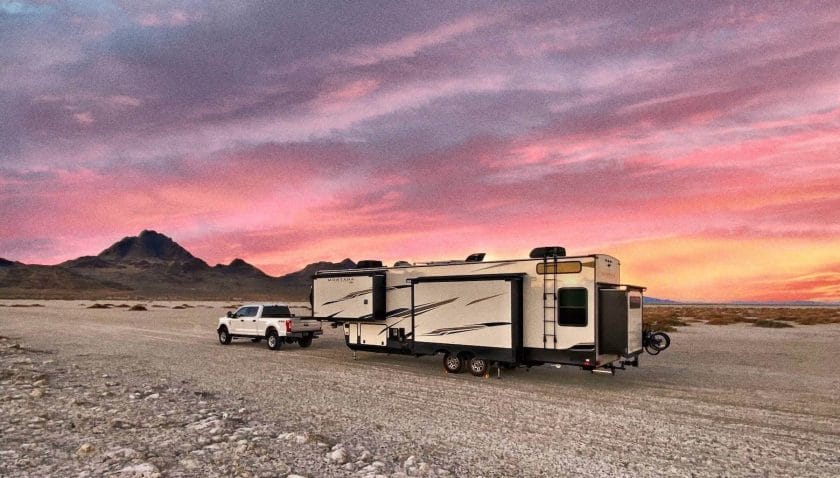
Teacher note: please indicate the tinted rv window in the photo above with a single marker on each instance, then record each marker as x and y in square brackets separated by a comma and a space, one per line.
[572, 306]
[276, 311]
[559, 268]
[635, 302]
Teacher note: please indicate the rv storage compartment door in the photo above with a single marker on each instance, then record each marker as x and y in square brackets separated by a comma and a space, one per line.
[619, 321]
[349, 297]
[482, 316]
[634, 321]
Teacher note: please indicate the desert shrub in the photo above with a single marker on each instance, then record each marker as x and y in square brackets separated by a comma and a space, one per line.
[137, 308]
[722, 320]
[26, 305]
[99, 306]
[771, 324]
[662, 318]
[179, 307]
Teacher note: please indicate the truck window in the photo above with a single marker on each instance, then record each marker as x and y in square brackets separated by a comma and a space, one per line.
[572, 306]
[247, 312]
[276, 311]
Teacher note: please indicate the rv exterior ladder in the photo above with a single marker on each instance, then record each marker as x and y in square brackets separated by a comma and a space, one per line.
[550, 302]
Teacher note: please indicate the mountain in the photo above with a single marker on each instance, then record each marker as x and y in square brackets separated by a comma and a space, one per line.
[153, 266]
[148, 246]
[8, 263]
[298, 283]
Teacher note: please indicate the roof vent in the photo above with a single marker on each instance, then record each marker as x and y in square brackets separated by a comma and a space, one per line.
[477, 257]
[549, 251]
[368, 264]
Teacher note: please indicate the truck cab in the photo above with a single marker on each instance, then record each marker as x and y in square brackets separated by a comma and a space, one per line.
[273, 322]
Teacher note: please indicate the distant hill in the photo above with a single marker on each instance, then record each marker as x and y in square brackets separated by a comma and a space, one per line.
[793, 303]
[153, 266]
[655, 301]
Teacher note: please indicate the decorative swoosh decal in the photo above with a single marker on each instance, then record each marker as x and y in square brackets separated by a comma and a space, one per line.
[493, 266]
[464, 328]
[360, 293]
[351, 295]
[404, 313]
[483, 299]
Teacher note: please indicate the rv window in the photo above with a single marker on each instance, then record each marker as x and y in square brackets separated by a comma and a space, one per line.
[635, 302]
[572, 306]
[562, 267]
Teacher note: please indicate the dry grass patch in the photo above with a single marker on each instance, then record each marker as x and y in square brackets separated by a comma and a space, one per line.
[666, 317]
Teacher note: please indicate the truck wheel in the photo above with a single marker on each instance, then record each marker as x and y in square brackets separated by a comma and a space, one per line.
[452, 363]
[273, 340]
[224, 336]
[478, 367]
[305, 341]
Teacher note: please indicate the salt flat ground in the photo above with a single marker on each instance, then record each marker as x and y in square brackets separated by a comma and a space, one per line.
[155, 393]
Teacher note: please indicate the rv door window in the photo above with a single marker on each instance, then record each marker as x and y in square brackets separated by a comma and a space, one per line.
[572, 306]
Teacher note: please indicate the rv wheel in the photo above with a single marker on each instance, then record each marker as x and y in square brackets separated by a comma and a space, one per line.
[478, 367]
[274, 341]
[452, 363]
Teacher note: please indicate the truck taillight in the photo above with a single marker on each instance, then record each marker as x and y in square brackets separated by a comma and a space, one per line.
[288, 326]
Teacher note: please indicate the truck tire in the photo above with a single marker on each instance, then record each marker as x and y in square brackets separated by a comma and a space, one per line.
[224, 336]
[478, 366]
[305, 341]
[452, 363]
[274, 341]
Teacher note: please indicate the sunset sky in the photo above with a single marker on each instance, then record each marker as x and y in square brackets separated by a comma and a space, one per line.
[698, 142]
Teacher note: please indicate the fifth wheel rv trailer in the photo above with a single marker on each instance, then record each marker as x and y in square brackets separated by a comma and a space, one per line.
[548, 308]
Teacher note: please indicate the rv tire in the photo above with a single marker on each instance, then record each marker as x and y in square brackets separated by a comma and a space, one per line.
[453, 363]
[478, 366]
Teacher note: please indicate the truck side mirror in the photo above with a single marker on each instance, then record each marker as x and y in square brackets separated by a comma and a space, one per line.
[231, 315]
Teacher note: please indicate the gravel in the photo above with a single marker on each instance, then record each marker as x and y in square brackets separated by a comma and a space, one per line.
[89, 392]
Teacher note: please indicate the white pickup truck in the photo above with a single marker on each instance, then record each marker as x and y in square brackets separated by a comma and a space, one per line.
[273, 322]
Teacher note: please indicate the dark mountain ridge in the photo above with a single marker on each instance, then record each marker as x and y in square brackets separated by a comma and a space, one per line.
[153, 266]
